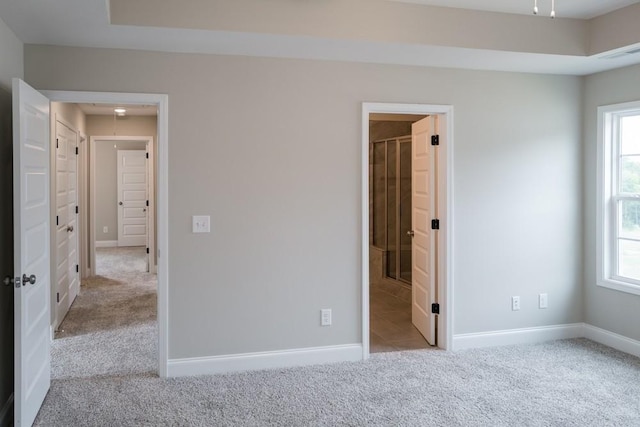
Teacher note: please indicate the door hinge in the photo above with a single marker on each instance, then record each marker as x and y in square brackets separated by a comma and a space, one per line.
[435, 308]
[147, 155]
[56, 142]
[435, 224]
[147, 203]
[76, 151]
[57, 220]
[435, 139]
[77, 268]
[147, 250]
[57, 296]
[77, 210]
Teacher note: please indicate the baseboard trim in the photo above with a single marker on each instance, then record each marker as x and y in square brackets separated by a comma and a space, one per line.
[518, 336]
[263, 360]
[6, 412]
[613, 340]
[106, 243]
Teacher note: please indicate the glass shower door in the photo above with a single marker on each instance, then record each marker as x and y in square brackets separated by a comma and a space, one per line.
[405, 210]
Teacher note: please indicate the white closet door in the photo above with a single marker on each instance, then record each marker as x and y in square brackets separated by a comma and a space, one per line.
[132, 198]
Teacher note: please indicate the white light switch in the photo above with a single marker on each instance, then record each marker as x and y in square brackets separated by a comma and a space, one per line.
[201, 224]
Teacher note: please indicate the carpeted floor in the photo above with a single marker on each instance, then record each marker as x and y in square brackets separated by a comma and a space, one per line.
[106, 377]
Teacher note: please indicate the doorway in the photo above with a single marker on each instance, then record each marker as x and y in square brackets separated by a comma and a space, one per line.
[162, 208]
[393, 276]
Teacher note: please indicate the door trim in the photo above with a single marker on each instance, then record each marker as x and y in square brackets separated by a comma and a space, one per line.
[445, 205]
[162, 202]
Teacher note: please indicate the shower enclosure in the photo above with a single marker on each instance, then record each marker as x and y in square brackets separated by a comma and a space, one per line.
[391, 205]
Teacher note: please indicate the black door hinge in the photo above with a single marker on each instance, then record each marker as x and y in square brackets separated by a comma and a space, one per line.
[435, 308]
[147, 250]
[57, 220]
[147, 203]
[76, 151]
[57, 296]
[435, 139]
[147, 155]
[77, 210]
[77, 268]
[56, 142]
[435, 224]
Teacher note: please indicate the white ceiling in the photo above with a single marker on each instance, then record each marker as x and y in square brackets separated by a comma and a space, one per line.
[107, 109]
[85, 23]
[582, 9]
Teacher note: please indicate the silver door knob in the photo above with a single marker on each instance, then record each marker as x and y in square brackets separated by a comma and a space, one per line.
[28, 279]
[120, 203]
[70, 228]
[410, 233]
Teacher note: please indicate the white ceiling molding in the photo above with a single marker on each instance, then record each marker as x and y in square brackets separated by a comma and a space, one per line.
[531, 44]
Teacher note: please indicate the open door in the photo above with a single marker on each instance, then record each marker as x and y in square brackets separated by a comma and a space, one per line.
[31, 251]
[423, 243]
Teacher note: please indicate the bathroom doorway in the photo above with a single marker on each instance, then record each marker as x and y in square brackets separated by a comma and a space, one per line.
[390, 225]
[406, 307]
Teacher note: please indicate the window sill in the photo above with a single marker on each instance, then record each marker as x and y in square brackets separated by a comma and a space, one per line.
[619, 286]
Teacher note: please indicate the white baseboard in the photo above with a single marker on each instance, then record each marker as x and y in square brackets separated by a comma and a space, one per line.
[518, 336]
[263, 360]
[611, 339]
[106, 243]
[6, 411]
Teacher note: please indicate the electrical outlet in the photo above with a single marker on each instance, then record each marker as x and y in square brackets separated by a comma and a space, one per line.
[105, 229]
[543, 301]
[201, 224]
[515, 303]
[325, 317]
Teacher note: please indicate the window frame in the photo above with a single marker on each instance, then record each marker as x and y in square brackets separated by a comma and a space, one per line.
[608, 197]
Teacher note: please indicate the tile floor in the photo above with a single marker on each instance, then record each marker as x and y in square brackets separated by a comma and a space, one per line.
[390, 327]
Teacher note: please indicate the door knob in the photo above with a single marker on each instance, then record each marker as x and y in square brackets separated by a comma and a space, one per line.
[410, 233]
[144, 209]
[120, 203]
[70, 228]
[28, 279]
[8, 281]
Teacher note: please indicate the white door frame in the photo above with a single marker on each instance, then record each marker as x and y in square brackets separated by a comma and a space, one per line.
[92, 195]
[445, 206]
[162, 102]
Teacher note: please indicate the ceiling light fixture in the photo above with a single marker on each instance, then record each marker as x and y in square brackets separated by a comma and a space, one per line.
[553, 8]
[119, 111]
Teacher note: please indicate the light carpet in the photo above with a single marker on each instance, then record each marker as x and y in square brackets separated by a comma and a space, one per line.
[107, 378]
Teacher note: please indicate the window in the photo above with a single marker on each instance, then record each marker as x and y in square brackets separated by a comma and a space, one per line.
[618, 240]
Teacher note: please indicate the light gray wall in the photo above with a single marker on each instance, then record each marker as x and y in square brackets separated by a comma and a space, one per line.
[250, 146]
[11, 65]
[612, 310]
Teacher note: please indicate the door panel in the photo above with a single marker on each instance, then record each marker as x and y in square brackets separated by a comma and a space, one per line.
[31, 250]
[67, 283]
[132, 198]
[423, 286]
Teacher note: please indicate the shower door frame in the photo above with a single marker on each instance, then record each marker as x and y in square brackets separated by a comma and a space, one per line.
[398, 141]
[445, 280]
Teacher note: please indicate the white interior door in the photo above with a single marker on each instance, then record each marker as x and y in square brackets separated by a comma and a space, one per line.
[31, 251]
[66, 255]
[132, 198]
[423, 243]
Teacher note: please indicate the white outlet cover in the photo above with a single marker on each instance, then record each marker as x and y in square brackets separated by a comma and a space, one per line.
[201, 224]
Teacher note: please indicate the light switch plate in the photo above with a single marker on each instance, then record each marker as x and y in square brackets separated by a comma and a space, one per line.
[201, 224]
